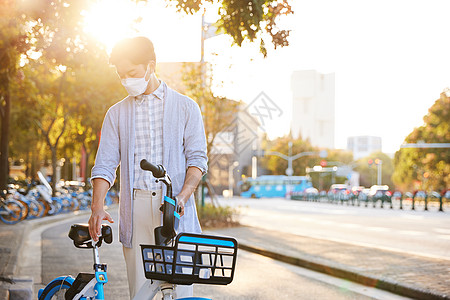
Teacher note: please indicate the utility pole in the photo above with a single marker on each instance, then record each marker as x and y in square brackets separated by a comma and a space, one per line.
[379, 164]
[230, 178]
[202, 62]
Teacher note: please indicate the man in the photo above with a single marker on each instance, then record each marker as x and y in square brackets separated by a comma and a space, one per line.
[158, 124]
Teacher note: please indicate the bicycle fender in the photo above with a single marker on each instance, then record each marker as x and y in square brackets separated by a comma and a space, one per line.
[69, 279]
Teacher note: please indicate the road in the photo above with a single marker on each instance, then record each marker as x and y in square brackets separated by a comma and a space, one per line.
[425, 233]
[256, 277]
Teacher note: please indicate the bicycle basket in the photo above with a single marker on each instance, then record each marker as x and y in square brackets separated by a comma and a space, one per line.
[195, 258]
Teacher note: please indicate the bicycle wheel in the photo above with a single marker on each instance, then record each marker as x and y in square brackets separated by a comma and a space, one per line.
[12, 212]
[56, 289]
[45, 205]
[26, 209]
[36, 209]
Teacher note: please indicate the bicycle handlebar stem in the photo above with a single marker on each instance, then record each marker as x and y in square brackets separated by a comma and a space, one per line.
[168, 182]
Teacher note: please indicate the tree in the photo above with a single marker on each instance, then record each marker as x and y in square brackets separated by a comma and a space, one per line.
[246, 20]
[95, 89]
[217, 112]
[57, 32]
[47, 37]
[335, 157]
[12, 45]
[368, 173]
[25, 114]
[277, 165]
[427, 168]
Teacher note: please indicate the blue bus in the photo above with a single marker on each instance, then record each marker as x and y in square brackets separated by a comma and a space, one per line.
[273, 186]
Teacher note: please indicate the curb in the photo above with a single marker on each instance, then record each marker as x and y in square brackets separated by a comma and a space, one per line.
[22, 286]
[35, 223]
[384, 284]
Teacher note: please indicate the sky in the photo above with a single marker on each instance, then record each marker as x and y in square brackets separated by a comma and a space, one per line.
[390, 58]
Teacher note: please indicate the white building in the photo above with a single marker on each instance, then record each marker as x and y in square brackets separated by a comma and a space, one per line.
[363, 146]
[313, 107]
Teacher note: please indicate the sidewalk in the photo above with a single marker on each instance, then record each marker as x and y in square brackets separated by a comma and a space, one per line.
[12, 240]
[411, 276]
[403, 274]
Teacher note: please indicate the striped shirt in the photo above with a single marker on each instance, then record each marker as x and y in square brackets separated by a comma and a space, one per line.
[149, 137]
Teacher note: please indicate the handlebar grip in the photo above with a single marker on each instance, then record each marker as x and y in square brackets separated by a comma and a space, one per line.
[158, 171]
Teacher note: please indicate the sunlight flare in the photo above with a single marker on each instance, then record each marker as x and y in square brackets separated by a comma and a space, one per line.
[110, 21]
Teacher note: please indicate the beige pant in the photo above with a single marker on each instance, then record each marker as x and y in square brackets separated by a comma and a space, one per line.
[146, 217]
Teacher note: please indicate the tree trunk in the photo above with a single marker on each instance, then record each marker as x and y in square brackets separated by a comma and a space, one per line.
[87, 170]
[28, 165]
[34, 164]
[53, 149]
[4, 165]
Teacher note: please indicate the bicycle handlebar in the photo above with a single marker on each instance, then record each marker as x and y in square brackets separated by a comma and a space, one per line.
[164, 234]
[158, 171]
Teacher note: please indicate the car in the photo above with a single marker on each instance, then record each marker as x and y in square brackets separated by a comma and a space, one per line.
[379, 190]
[397, 195]
[336, 188]
[339, 192]
[364, 195]
[311, 191]
[356, 190]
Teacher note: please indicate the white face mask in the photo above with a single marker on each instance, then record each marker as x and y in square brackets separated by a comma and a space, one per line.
[135, 86]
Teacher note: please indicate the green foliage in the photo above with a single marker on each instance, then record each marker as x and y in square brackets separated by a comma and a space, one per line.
[63, 87]
[217, 112]
[427, 168]
[342, 157]
[277, 165]
[55, 79]
[335, 157]
[368, 174]
[12, 46]
[245, 20]
[211, 216]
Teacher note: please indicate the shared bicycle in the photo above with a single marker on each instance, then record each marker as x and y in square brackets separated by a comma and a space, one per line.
[174, 259]
[11, 211]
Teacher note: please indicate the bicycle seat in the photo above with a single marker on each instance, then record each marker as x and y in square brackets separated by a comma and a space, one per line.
[79, 233]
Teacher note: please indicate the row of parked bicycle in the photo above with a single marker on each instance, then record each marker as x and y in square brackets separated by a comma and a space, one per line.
[377, 195]
[36, 201]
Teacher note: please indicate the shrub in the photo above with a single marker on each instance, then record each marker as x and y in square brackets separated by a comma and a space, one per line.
[211, 216]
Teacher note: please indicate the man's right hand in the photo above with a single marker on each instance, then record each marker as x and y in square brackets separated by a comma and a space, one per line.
[95, 223]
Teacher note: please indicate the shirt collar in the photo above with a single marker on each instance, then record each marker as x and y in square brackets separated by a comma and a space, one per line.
[158, 94]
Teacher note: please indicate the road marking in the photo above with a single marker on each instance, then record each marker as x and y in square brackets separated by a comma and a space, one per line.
[350, 225]
[413, 217]
[324, 222]
[377, 229]
[411, 232]
[442, 230]
[375, 246]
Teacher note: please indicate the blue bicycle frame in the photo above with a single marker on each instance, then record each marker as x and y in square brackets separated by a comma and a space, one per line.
[86, 285]
[101, 278]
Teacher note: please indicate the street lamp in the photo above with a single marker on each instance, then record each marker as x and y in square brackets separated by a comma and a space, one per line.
[290, 159]
[230, 178]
